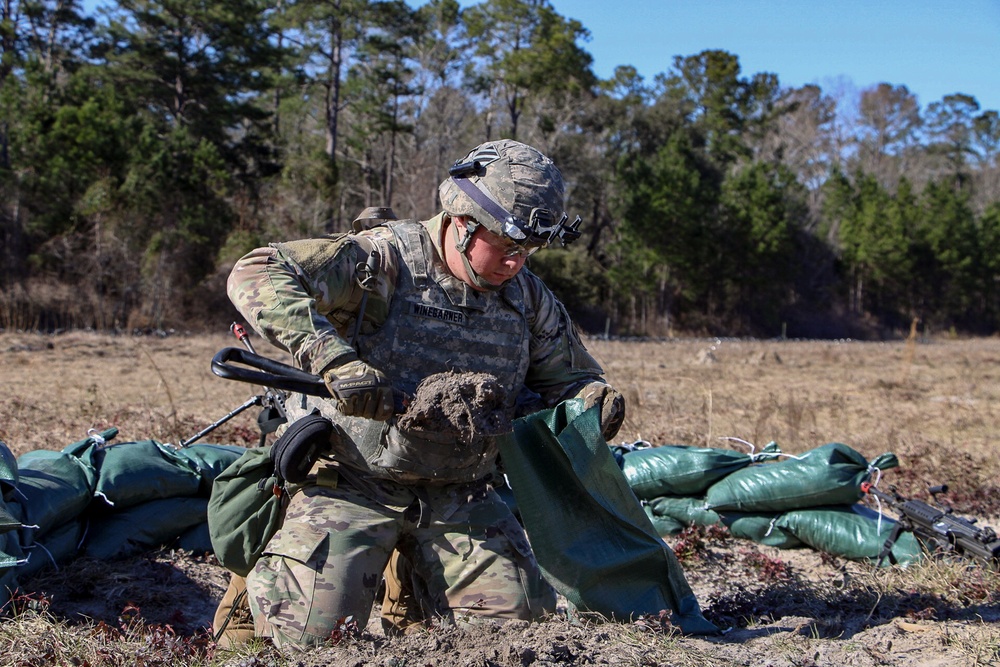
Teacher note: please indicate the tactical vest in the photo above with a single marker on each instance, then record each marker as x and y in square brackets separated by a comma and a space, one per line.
[427, 332]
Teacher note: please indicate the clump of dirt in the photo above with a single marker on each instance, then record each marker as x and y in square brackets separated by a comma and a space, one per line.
[466, 406]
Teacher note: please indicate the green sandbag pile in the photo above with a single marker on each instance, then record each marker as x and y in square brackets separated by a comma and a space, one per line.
[808, 500]
[103, 500]
[111, 500]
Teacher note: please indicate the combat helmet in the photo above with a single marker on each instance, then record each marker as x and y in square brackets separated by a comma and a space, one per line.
[512, 190]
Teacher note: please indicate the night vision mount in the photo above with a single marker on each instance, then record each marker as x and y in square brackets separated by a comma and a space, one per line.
[541, 228]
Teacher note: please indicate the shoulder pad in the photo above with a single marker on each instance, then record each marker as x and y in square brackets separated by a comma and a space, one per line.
[313, 254]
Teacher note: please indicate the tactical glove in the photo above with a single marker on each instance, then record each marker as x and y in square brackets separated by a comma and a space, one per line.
[360, 390]
[612, 406]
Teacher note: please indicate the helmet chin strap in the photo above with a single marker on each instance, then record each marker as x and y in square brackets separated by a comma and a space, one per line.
[462, 245]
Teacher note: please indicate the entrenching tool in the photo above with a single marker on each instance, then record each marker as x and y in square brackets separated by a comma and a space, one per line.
[272, 414]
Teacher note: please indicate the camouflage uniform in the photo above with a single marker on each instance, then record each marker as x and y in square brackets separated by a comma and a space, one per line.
[466, 548]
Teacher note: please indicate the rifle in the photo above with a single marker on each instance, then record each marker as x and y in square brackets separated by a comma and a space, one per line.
[937, 528]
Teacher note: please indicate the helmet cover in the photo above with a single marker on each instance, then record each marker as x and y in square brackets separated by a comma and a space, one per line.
[511, 189]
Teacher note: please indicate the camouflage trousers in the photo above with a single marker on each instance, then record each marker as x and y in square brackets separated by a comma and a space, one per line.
[325, 564]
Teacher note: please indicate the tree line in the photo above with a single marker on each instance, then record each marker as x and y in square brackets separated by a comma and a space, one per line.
[145, 146]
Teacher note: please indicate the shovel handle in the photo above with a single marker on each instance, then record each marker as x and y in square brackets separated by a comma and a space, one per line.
[233, 363]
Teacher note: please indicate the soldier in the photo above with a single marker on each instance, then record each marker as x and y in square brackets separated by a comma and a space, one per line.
[374, 312]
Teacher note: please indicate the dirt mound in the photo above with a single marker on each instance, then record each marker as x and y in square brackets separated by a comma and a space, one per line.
[466, 406]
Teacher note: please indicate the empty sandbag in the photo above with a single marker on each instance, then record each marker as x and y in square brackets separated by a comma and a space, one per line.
[10, 550]
[196, 539]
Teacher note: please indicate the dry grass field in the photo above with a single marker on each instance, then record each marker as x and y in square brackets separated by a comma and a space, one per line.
[935, 403]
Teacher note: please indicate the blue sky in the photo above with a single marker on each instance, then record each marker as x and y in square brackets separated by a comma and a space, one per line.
[933, 47]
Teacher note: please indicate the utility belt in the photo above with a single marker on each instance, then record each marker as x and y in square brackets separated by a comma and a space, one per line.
[418, 501]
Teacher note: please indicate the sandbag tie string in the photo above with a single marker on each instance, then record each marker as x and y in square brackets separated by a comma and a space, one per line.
[48, 553]
[756, 456]
[878, 478]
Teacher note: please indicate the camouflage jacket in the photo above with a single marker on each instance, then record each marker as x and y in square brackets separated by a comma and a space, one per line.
[304, 297]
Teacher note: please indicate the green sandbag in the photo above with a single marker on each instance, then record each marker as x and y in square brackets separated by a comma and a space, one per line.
[10, 550]
[592, 539]
[196, 539]
[85, 449]
[142, 527]
[137, 472]
[851, 532]
[10, 517]
[53, 487]
[679, 470]
[11, 557]
[761, 528]
[664, 525]
[828, 475]
[209, 461]
[687, 511]
[8, 472]
[59, 546]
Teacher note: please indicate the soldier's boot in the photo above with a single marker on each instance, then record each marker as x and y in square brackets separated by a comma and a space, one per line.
[401, 611]
[233, 621]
